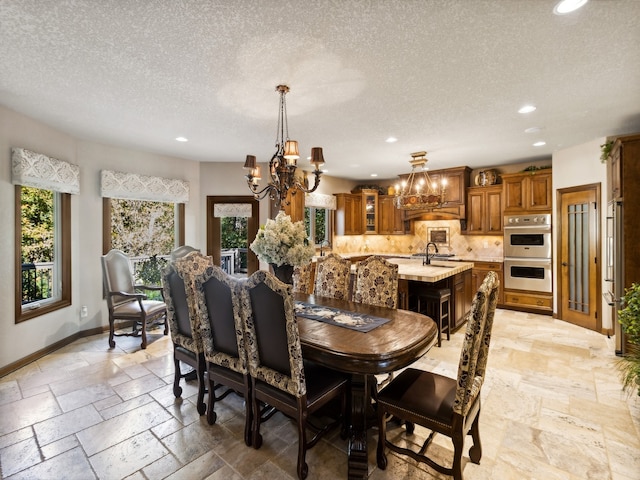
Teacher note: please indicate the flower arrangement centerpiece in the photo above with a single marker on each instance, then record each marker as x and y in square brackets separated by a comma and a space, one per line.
[283, 244]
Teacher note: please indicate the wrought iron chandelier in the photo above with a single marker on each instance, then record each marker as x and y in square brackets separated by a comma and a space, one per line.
[283, 163]
[418, 192]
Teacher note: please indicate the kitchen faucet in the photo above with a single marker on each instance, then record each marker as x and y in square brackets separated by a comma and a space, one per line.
[427, 256]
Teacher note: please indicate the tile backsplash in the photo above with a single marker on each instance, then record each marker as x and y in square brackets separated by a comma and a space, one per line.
[446, 233]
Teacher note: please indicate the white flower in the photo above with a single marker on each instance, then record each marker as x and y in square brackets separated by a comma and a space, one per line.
[283, 242]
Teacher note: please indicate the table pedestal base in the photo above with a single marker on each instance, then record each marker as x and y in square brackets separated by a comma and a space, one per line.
[358, 462]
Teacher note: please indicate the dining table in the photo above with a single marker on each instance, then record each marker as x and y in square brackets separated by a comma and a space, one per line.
[401, 338]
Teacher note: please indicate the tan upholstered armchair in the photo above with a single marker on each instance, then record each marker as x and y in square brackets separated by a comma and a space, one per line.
[125, 300]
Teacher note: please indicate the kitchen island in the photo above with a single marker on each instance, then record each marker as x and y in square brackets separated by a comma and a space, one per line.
[454, 275]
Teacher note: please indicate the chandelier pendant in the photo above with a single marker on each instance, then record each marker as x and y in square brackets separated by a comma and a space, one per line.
[283, 164]
[418, 192]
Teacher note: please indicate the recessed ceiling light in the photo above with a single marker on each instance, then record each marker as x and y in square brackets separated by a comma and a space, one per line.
[532, 130]
[568, 6]
[527, 109]
[541, 143]
[391, 140]
[182, 139]
[374, 174]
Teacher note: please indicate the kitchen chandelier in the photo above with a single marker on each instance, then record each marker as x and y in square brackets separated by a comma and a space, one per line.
[283, 163]
[418, 192]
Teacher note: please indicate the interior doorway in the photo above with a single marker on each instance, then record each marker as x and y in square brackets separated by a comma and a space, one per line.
[232, 224]
[578, 286]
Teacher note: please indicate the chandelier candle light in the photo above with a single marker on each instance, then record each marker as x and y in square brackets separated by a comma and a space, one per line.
[283, 164]
[418, 192]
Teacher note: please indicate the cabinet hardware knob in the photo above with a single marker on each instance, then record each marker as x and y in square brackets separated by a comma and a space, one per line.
[564, 264]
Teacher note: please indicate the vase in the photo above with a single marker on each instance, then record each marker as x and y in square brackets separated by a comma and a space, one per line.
[283, 272]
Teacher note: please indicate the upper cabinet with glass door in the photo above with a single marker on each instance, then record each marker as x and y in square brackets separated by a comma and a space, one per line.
[370, 202]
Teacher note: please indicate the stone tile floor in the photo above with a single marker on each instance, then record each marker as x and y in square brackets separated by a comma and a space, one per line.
[552, 409]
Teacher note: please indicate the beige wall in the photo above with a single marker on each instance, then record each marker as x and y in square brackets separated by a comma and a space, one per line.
[581, 165]
[20, 340]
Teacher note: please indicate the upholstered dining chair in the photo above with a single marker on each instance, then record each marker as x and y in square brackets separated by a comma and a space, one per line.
[303, 276]
[185, 334]
[332, 277]
[279, 375]
[376, 282]
[442, 404]
[125, 300]
[217, 304]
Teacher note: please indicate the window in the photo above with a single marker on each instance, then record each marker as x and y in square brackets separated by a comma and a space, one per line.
[43, 251]
[317, 221]
[146, 231]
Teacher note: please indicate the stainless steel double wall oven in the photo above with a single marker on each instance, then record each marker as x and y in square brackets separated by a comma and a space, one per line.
[527, 252]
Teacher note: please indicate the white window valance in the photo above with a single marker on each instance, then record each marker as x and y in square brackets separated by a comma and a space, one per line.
[232, 210]
[319, 200]
[132, 186]
[33, 169]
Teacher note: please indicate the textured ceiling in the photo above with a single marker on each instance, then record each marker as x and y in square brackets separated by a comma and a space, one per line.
[443, 76]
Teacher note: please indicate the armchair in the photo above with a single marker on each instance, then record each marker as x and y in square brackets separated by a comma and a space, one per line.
[126, 302]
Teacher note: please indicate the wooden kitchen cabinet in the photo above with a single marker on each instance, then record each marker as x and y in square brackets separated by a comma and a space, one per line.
[348, 217]
[485, 211]
[462, 295]
[480, 271]
[529, 301]
[294, 208]
[391, 219]
[527, 192]
[370, 212]
[614, 173]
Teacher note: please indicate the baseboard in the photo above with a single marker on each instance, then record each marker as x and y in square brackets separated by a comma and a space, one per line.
[12, 367]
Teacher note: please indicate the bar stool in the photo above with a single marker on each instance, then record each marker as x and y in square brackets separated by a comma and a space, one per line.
[436, 303]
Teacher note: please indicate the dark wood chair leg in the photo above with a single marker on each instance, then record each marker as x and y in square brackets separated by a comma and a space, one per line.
[143, 345]
[211, 414]
[177, 389]
[200, 368]
[112, 343]
[475, 452]
[458, 444]
[248, 412]
[382, 435]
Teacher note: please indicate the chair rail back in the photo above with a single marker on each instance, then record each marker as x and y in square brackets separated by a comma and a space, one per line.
[475, 346]
[273, 340]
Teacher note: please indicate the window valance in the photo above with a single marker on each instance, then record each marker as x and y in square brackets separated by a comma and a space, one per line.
[142, 187]
[232, 210]
[319, 200]
[37, 170]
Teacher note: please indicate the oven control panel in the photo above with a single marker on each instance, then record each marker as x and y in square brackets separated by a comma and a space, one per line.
[526, 220]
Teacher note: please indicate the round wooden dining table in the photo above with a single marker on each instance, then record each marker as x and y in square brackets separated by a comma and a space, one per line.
[395, 344]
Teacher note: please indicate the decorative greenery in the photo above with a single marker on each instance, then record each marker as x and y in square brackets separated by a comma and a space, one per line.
[629, 318]
[605, 150]
[283, 242]
[533, 168]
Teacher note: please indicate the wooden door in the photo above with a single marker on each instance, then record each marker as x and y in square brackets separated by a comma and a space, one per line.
[579, 299]
[539, 192]
[495, 212]
[475, 211]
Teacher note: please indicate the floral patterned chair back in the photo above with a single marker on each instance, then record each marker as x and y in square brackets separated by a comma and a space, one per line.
[187, 344]
[475, 346]
[217, 306]
[274, 351]
[332, 277]
[303, 278]
[376, 282]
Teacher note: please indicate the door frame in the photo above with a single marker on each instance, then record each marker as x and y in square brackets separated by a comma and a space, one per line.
[213, 227]
[596, 188]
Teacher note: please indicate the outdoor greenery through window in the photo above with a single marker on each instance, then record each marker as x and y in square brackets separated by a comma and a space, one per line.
[317, 222]
[145, 231]
[43, 256]
[233, 254]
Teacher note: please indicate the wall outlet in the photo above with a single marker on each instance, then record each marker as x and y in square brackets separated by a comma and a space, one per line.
[84, 311]
[485, 244]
